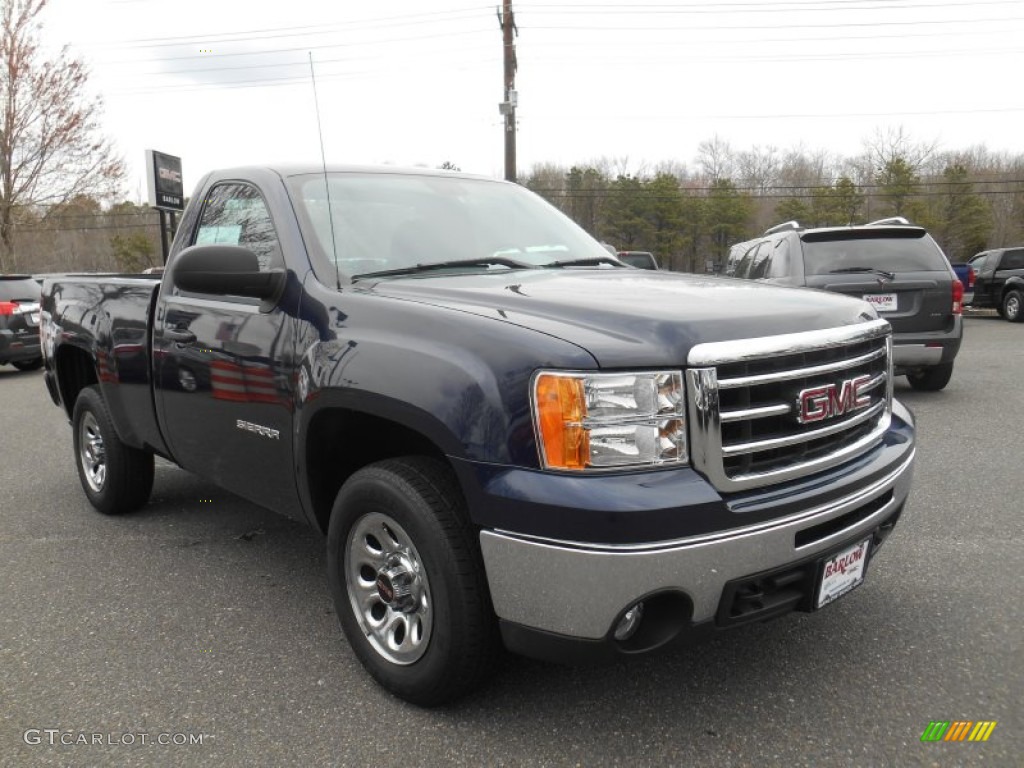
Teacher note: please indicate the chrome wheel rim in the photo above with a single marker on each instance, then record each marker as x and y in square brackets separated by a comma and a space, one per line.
[91, 452]
[1012, 307]
[388, 588]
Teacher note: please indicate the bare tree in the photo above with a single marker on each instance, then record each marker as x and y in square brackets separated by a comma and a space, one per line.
[895, 143]
[51, 149]
[715, 159]
[758, 168]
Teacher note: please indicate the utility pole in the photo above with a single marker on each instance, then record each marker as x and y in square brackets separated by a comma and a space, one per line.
[508, 106]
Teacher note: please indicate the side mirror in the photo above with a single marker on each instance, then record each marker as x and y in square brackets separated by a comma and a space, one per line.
[226, 270]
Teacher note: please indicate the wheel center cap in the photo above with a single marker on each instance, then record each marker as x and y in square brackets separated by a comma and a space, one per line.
[395, 586]
[385, 588]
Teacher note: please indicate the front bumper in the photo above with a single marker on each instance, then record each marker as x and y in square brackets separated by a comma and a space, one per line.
[577, 591]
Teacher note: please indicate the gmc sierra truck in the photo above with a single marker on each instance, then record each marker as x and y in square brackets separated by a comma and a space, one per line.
[506, 435]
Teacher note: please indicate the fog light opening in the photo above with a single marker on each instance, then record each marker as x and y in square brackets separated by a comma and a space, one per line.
[629, 623]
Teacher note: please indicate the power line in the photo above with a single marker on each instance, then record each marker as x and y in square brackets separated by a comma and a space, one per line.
[786, 116]
[723, 9]
[774, 7]
[845, 25]
[346, 60]
[313, 29]
[346, 44]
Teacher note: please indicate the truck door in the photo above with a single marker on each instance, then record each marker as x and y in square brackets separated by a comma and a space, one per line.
[223, 367]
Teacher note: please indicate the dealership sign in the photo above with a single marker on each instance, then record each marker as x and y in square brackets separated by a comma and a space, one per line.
[163, 172]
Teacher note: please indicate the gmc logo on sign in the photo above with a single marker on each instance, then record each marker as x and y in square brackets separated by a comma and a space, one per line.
[820, 403]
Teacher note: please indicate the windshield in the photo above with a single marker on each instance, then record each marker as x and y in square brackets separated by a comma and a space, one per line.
[914, 252]
[386, 221]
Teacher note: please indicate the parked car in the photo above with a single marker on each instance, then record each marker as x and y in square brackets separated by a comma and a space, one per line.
[638, 259]
[1000, 282]
[19, 322]
[504, 434]
[896, 267]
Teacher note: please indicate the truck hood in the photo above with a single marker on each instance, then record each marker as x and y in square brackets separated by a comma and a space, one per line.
[632, 317]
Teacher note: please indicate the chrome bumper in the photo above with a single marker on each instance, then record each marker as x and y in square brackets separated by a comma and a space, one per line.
[579, 590]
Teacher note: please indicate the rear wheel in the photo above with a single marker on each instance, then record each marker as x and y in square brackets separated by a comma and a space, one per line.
[408, 581]
[116, 477]
[28, 365]
[1013, 306]
[931, 379]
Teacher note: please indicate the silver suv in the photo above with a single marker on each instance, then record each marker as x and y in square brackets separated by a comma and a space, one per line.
[896, 267]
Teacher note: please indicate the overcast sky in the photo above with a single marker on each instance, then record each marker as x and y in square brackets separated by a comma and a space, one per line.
[227, 82]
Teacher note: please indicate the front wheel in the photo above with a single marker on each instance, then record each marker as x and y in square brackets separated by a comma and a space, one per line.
[407, 580]
[115, 477]
[931, 379]
[1013, 306]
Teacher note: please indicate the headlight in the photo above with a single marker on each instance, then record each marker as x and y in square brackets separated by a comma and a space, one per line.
[607, 420]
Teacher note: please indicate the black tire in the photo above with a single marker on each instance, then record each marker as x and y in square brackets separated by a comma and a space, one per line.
[412, 501]
[28, 365]
[1013, 306]
[931, 379]
[115, 477]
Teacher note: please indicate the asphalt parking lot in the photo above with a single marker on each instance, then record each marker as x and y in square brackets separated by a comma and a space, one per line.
[205, 619]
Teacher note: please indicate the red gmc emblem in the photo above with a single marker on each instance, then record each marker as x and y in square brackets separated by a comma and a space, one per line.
[820, 403]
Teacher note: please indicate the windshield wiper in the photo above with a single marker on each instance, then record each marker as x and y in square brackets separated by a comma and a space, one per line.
[487, 261]
[590, 261]
[849, 270]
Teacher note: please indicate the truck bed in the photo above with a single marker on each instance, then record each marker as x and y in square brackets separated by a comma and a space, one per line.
[106, 318]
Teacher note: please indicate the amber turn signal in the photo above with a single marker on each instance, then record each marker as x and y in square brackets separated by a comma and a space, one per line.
[561, 408]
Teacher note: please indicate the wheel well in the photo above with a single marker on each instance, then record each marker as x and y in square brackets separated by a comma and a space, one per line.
[339, 442]
[75, 372]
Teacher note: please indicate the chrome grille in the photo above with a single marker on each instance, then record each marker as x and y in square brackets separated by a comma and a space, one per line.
[747, 400]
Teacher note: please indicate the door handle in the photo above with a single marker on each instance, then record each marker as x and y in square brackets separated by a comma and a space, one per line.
[180, 335]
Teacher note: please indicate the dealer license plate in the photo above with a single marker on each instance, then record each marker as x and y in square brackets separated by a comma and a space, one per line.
[842, 572]
[883, 302]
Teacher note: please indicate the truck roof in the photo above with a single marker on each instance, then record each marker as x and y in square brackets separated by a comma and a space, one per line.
[287, 170]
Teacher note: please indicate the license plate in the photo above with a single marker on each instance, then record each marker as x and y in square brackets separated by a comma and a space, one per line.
[842, 572]
[883, 302]
[33, 318]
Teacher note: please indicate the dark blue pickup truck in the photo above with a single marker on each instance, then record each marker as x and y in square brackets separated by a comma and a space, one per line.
[504, 433]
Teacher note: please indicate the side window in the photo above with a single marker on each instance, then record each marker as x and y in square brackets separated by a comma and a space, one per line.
[762, 261]
[1013, 259]
[735, 254]
[780, 259]
[743, 268]
[235, 214]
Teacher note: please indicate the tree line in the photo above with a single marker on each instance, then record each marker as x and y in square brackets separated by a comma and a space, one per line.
[689, 215]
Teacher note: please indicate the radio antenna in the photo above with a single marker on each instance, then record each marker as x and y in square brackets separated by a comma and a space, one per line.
[323, 164]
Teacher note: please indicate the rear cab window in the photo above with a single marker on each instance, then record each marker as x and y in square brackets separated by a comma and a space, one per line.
[19, 289]
[1012, 259]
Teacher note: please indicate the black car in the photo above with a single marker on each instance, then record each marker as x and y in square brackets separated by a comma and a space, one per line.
[894, 266]
[1000, 282]
[19, 322]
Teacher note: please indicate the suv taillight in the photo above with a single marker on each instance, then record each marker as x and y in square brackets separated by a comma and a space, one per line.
[958, 297]
[8, 307]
